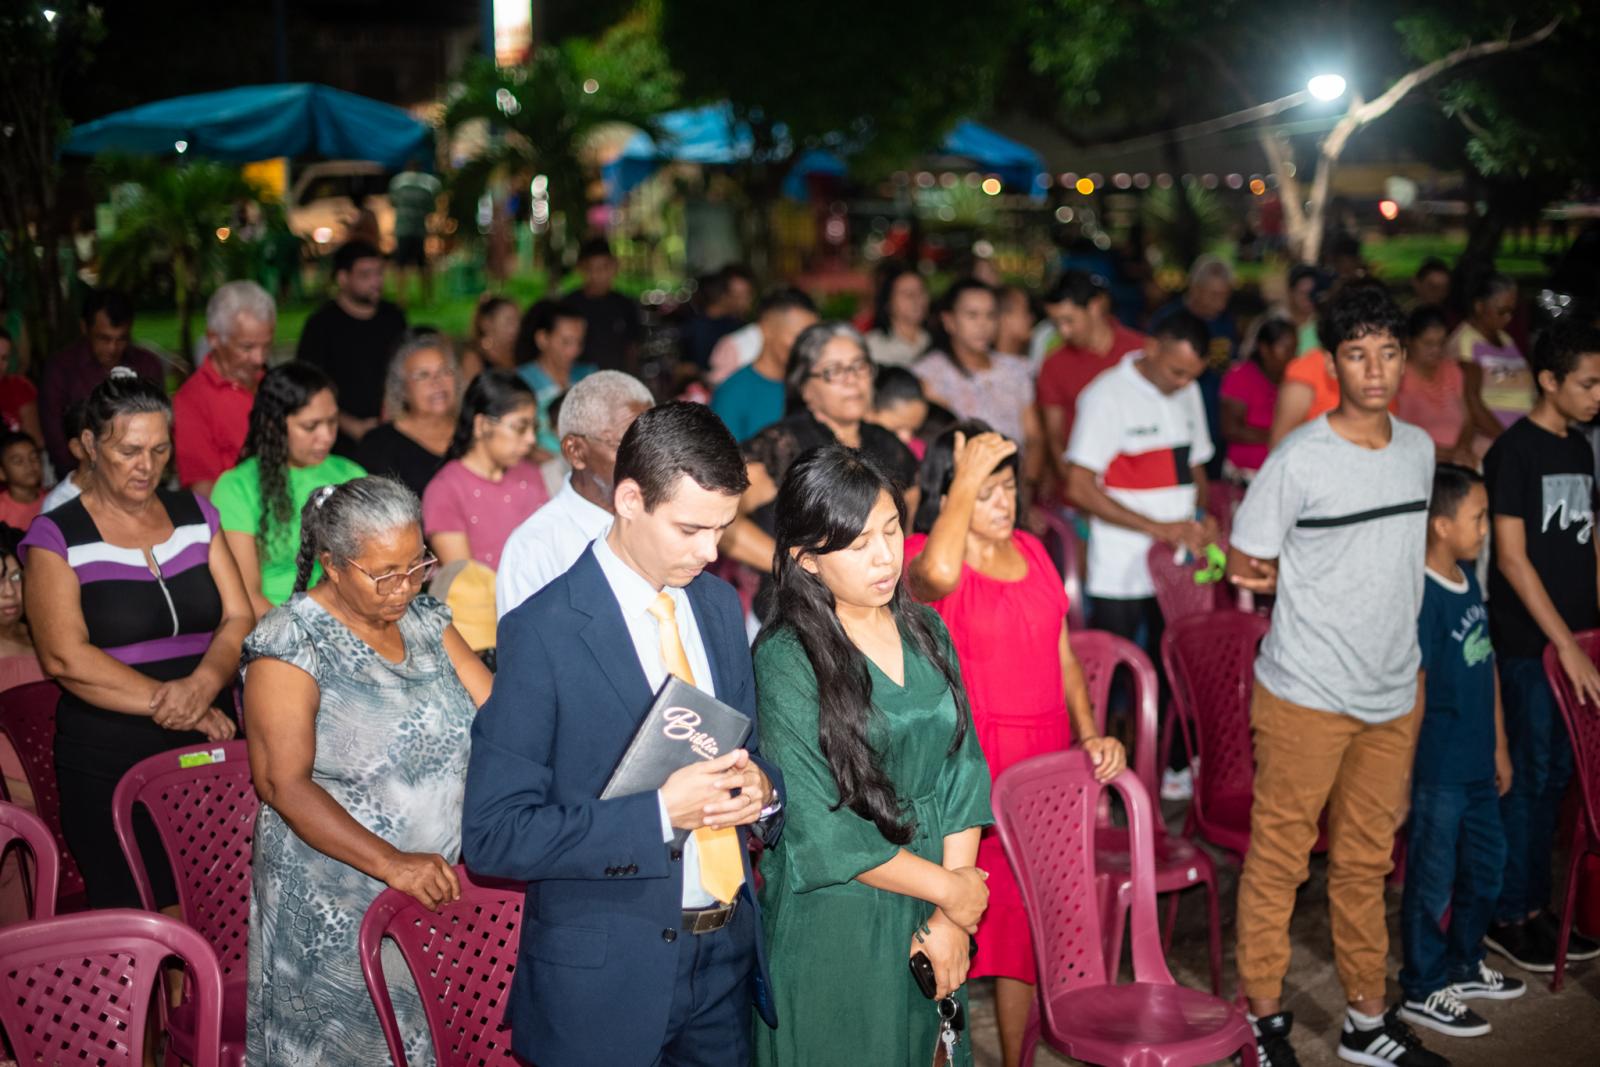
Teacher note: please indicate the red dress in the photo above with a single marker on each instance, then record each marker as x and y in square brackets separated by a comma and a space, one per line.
[1007, 636]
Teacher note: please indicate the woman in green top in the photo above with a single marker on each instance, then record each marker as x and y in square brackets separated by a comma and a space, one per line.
[284, 460]
[886, 788]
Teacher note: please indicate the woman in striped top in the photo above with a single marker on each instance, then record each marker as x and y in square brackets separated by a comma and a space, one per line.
[138, 611]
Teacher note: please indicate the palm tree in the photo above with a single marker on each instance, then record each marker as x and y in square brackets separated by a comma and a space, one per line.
[168, 218]
[542, 114]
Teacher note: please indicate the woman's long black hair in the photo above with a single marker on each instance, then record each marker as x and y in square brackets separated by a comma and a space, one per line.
[884, 294]
[284, 390]
[823, 507]
[938, 470]
[493, 393]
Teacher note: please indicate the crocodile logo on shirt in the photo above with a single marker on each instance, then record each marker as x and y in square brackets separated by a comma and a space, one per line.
[1568, 501]
[1476, 648]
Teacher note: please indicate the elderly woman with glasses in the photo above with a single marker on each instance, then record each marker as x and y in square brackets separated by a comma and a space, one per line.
[422, 395]
[358, 698]
[829, 384]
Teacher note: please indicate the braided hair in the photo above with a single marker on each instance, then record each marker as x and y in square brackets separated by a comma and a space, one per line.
[339, 520]
[284, 390]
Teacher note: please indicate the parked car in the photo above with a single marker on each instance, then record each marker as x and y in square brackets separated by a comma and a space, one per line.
[327, 197]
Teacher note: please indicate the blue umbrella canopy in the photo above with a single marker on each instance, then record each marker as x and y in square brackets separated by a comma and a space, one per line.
[260, 122]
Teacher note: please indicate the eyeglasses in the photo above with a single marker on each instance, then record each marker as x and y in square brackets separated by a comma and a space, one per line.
[517, 428]
[439, 374]
[861, 368]
[393, 582]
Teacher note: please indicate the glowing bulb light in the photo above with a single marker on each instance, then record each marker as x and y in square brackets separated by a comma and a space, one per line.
[1326, 86]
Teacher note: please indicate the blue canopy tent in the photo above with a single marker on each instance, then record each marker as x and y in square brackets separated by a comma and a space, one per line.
[711, 135]
[261, 122]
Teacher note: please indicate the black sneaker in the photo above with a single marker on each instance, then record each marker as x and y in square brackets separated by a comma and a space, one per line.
[1272, 1040]
[1394, 1044]
[1578, 946]
[1527, 945]
[1489, 984]
[1441, 1010]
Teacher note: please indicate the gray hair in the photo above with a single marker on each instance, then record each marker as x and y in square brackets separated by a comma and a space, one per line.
[808, 348]
[1207, 267]
[341, 519]
[233, 299]
[592, 403]
[394, 382]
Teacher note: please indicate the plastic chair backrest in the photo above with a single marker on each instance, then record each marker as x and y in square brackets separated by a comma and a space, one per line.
[20, 824]
[28, 719]
[1044, 811]
[462, 958]
[77, 988]
[1222, 500]
[1583, 726]
[1061, 542]
[204, 805]
[1210, 661]
[1101, 654]
[1177, 593]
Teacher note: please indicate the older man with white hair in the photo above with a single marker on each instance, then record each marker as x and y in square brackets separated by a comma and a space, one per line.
[596, 413]
[211, 411]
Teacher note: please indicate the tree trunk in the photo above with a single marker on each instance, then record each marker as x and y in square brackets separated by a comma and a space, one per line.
[1187, 234]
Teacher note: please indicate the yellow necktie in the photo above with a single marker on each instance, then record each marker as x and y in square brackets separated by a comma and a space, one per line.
[721, 866]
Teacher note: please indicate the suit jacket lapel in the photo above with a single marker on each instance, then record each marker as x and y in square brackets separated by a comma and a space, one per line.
[607, 636]
[710, 635]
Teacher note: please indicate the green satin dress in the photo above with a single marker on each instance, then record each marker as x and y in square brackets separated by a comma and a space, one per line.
[838, 949]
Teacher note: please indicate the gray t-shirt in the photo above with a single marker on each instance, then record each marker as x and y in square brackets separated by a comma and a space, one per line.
[1348, 526]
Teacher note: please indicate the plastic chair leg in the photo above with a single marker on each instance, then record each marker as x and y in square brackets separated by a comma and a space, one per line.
[1214, 920]
[1115, 902]
[1030, 1037]
[1170, 922]
[1568, 906]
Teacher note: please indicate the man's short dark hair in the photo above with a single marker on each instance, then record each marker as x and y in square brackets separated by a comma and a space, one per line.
[680, 438]
[1185, 325]
[1451, 484]
[595, 246]
[113, 303]
[347, 255]
[1431, 265]
[1559, 347]
[1077, 287]
[1359, 309]
[785, 298]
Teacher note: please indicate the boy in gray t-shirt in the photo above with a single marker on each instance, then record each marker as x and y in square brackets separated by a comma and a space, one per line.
[1336, 524]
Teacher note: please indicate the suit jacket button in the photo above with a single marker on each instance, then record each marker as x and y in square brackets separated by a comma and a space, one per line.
[611, 872]
[669, 935]
[633, 868]
[676, 854]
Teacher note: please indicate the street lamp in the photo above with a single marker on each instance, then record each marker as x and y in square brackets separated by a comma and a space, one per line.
[1326, 87]
[49, 14]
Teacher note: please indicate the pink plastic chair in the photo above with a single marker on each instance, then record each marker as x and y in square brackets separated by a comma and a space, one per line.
[20, 824]
[1222, 500]
[1178, 863]
[206, 816]
[1176, 591]
[76, 988]
[1210, 662]
[1061, 541]
[462, 958]
[1045, 813]
[28, 719]
[1583, 726]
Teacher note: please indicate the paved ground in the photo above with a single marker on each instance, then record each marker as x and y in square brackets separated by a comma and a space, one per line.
[1542, 1029]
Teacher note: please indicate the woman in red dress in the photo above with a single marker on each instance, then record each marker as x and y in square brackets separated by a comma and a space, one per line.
[1004, 604]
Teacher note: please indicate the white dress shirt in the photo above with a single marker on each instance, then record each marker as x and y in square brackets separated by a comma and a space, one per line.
[634, 596]
[545, 546]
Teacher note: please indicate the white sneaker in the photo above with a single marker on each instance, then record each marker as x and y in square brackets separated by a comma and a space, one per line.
[1177, 785]
[1490, 984]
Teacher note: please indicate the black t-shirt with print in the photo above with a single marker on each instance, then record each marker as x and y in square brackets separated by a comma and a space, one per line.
[1548, 483]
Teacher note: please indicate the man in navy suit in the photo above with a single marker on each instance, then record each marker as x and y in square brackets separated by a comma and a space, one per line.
[641, 937]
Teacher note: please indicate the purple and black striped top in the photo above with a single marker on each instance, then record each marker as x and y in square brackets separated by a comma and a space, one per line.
[158, 623]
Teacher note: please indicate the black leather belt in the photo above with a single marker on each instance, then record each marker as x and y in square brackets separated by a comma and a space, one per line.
[707, 920]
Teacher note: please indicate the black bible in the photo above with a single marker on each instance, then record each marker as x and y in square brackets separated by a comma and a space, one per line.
[684, 724]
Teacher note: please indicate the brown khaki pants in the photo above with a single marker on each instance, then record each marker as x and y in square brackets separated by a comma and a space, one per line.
[1306, 759]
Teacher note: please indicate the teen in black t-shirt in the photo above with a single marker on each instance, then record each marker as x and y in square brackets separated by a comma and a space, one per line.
[1542, 588]
[352, 336]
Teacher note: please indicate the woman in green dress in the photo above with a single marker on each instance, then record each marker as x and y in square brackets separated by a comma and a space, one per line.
[886, 788]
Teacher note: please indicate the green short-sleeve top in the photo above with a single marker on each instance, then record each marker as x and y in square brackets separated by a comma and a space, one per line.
[237, 496]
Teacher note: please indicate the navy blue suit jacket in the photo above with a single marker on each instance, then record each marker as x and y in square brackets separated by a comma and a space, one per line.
[605, 893]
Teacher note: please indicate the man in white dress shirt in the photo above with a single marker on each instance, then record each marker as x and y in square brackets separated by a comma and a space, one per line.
[596, 413]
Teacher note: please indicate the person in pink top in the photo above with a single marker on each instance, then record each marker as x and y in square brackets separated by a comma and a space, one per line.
[18, 665]
[23, 495]
[1004, 604]
[1433, 391]
[488, 486]
[1250, 395]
